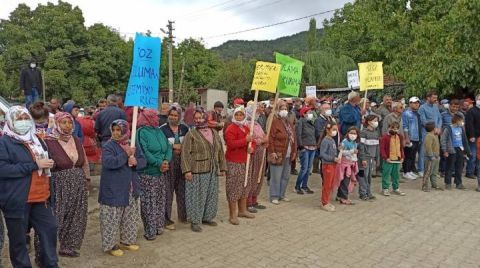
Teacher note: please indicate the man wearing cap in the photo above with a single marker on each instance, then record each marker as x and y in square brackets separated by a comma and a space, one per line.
[350, 114]
[472, 123]
[412, 133]
[444, 104]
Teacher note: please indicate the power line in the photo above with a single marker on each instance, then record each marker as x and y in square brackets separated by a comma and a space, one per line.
[207, 8]
[271, 25]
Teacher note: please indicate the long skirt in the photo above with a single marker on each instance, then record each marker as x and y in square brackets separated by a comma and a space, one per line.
[118, 222]
[71, 207]
[255, 171]
[175, 183]
[152, 203]
[201, 196]
[235, 189]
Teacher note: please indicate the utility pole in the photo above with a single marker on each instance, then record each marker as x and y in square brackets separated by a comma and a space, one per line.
[182, 74]
[170, 61]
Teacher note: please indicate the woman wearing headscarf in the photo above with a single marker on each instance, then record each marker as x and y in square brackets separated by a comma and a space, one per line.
[237, 138]
[119, 191]
[257, 166]
[175, 133]
[282, 150]
[25, 195]
[153, 181]
[70, 177]
[203, 160]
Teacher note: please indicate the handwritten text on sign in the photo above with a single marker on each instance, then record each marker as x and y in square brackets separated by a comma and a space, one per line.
[371, 75]
[142, 87]
[290, 75]
[266, 76]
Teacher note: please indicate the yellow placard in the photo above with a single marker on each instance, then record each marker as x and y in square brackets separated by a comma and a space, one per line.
[371, 75]
[266, 76]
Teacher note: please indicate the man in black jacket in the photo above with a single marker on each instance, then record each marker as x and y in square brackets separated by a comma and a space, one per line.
[105, 118]
[472, 121]
[31, 83]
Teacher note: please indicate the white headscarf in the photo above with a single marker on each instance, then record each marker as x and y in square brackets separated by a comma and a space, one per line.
[28, 138]
[244, 121]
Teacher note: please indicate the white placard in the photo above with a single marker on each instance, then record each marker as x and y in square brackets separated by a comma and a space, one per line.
[353, 79]
[311, 91]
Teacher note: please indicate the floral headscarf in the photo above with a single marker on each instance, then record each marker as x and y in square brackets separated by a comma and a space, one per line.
[239, 123]
[57, 132]
[125, 130]
[204, 124]
[28, 138]
[148, 117]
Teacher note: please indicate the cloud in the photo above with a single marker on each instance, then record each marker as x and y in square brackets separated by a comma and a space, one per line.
[197, 18]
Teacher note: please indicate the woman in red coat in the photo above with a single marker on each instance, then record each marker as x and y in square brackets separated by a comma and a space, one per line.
[237, 137]
[92, 150]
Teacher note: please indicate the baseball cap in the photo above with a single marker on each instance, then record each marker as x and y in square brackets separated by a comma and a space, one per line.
[238, 101]
[414, 99]
[444, 101]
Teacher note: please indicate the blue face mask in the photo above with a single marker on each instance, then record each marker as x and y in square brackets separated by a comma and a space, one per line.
[22, 126]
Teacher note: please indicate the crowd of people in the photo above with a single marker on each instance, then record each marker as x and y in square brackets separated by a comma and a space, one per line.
[49, 151]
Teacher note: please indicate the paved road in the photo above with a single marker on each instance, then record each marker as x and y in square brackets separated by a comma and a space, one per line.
[436, 229]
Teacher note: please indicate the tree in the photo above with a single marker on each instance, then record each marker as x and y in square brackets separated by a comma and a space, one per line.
[312, 36]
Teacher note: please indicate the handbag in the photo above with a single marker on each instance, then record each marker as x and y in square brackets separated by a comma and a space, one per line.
[275, 161]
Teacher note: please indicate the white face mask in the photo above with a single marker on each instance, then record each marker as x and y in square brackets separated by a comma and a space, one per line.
[22, 126]
[283, 113]
[478, 103]
[446, 105]
[309, 116]
[352, 137]
[374, 124]
[334, 133]
[33, 65]
[328, 112]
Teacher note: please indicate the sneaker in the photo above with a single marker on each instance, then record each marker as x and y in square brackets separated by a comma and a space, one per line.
[196, 227]
[460, 187]
[412, 175]
[116, 251]
[284, 199]
[258, 206]
[307, 190]
[252, 209]
[420, 174]
[328, 208]
[132, 247]
[448, 187]
[275, 201]
[386, 192]
[398, 192]
[299, 191]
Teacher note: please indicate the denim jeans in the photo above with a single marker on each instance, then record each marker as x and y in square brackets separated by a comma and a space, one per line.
[306, 162]
[472, 167]
[279, 175]
[29, 99]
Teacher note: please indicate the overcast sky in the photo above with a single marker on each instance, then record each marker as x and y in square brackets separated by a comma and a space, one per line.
[205, 19]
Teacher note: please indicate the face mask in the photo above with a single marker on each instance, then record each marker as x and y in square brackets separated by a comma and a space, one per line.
[478, 103]
[328, 112]
[310, 117]
[446, 105]
[392, 132]
[334, 133]
[283, 113]
[352, 137]
[374, 124]
[33, 65]
[22, 126]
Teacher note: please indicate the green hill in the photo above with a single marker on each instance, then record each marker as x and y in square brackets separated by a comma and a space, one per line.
[263, 50]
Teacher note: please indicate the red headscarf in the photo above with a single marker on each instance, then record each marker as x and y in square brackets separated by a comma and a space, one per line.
[148, 117]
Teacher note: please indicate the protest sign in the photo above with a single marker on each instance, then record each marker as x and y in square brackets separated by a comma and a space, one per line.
[142, 87]
[311, 91]
[371, 75]
[290, 75]
[353, 80]
[266, 76]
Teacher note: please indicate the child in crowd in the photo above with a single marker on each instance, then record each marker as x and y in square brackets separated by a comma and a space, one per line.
[391, 145]
[455, 148]
[328, 156]
[431, 146]
[119, 191]
[347, 169]
[368, 155]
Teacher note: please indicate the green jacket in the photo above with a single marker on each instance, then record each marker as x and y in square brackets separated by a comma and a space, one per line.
[156, 148]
